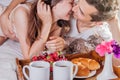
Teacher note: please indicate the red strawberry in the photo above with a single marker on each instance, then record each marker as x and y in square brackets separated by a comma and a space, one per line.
[51, 55]
[50, 59]
[35, 58]
[56, 59]
[42, 56]
[45, 59]
[55, 55]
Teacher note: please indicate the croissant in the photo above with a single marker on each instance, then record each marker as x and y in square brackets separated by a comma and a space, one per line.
[82, 70]
[86, 62]
[90, 63]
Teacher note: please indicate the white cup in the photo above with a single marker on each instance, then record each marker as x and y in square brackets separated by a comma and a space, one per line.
[63, 70]
[38, 70]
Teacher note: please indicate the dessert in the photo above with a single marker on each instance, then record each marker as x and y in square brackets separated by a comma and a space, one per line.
[85, 65]
[82, 70]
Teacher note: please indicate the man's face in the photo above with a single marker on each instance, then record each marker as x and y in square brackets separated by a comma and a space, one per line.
[82, 10]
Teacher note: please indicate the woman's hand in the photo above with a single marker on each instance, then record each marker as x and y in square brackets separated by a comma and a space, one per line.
[55, 43]
[44, 12]
[6, 26]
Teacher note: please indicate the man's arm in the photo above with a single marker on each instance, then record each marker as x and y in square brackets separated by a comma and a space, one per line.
[4, 18]
[115, 29]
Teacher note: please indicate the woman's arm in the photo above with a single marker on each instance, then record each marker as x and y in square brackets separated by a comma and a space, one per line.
[4, 18]
[44, 14]
[39, 45]
[21, 23]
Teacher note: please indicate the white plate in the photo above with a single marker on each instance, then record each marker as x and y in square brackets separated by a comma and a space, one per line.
[92, 73]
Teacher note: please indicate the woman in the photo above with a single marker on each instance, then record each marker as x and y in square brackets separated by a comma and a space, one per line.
[34, 23]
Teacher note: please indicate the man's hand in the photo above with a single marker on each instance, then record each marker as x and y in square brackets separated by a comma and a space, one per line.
[55, 43]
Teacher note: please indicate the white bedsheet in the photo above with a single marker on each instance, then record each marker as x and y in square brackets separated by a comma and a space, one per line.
[9, 51]
[7, 69]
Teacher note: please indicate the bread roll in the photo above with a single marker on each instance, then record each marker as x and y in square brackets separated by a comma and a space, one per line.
[82, 70]
[84, 61]
[93, 65]
[89, 63]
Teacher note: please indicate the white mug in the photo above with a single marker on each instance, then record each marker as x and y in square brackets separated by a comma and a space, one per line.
[63, 70]
[38, 70]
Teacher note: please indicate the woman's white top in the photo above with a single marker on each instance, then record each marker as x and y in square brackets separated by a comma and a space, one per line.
[102, 30]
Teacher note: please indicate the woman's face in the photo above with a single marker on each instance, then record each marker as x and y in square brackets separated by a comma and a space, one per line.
[82, 10]
[63, 9]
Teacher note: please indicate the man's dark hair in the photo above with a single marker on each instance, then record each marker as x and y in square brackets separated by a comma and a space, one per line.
[107, 9]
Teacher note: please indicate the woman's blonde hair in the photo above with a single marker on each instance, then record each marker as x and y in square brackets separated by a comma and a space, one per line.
[35, 23]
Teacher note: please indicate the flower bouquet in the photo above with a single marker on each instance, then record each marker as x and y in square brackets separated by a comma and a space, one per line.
[108, 49]
[49, 57]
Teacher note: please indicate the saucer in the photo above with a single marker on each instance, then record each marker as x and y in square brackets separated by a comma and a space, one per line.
[92, 73]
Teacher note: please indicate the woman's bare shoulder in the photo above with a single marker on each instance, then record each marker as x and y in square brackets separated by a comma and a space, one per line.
[21, 9]
[21, 14]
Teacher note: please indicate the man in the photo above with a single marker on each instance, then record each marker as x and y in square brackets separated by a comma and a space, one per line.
[88, 14]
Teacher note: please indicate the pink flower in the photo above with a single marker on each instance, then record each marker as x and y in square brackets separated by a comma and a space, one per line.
[100, 49]
[104, 47]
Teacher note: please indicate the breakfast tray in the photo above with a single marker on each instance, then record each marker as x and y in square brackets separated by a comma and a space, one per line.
[92, 55]
[20, 64]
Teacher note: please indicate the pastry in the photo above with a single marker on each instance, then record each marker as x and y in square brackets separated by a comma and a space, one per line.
[89, 63]
[93, 65]
[85, 65]
[82, 70]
